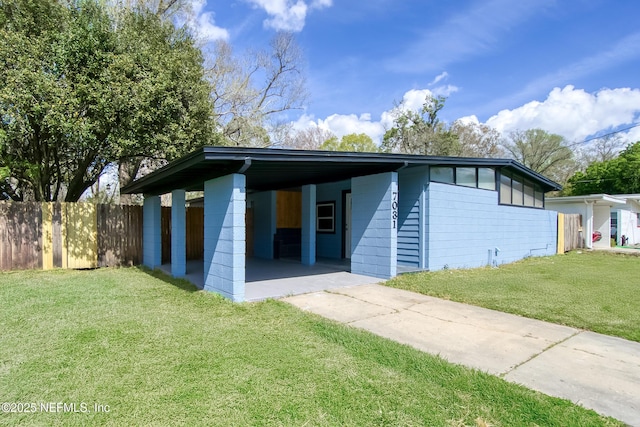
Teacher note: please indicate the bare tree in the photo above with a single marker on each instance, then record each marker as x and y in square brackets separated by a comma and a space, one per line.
[478, 140]
[251, 92]
[600, 149]
[307, 139]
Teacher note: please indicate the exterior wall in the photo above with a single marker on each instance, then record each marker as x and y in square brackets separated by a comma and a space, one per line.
[468, 228]
[264, 223]
[411, 242]
[329, 245]
[224, 236]
[178, 234]
[602, 223]
[374, 225]
[151, 232]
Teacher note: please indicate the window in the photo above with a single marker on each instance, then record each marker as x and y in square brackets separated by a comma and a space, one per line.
[515, 190]
[528, 194]
[505, 188]
[466, 177]
[487, 178]
[638, 219]
[326, 217]
[442, 174]
[539, 197]
[484, 178]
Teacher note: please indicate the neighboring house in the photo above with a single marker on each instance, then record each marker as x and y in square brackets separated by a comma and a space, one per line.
[604, 217]
[383, 213]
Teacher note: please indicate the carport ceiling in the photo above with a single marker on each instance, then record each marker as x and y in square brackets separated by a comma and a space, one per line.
[275, 169]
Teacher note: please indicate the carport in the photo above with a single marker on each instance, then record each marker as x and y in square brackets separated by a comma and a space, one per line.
[228, 176]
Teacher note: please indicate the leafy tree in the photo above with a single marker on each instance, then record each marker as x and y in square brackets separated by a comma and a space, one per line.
[353, 142]
[545, 153]
[83, 89]
[620, 175]
[421, 132]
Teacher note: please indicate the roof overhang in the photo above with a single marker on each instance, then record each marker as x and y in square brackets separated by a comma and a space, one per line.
[598, 199]
[274, 169]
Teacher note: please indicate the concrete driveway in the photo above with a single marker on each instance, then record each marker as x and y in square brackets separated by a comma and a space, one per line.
[596, 371]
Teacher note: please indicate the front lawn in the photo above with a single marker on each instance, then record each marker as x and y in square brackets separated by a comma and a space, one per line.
[589, 290]
[150, 352]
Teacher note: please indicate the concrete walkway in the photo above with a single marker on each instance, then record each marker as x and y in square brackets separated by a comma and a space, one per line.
[596, 371]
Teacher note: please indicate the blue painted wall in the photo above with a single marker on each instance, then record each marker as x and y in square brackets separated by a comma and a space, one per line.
[411, 184]
[374, 225]
[151, 232]
[330, 245]
[464, 224]
[178, 234]
[224, 236]
[264, 222]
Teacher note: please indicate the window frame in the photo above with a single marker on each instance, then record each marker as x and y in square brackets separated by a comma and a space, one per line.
[332, 217]
[506, 180]
[456, 181]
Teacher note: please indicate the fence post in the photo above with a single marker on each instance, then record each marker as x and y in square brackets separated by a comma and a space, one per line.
[560, 233]
[47, 236]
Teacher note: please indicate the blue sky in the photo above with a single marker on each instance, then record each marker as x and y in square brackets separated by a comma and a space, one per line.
[568, 66]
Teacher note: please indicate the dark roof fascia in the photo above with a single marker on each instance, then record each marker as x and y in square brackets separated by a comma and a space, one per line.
[168, 169]
[241, 154]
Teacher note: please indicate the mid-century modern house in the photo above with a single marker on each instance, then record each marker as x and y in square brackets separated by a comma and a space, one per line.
[382, 213]
[604, 217]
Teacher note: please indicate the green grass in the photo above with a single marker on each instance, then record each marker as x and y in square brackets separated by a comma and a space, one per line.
[158, 353]
[590, 290]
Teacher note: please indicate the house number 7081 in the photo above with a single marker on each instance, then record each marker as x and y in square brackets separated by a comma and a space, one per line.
[394, 208]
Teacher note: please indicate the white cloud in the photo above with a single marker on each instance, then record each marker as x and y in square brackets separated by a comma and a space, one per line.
[574, 113]
[204, 24]
[288, 15]
[439, 78]
[344, 124]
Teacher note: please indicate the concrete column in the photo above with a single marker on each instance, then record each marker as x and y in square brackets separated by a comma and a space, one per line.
[225, 235]
[375, 225]
[151, 232]
[178, 234]
[308, 249]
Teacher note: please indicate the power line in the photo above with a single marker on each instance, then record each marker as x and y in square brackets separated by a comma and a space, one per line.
[608, 134]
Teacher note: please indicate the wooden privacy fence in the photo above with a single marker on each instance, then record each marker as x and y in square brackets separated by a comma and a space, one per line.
[569, 232]
[37, 235]
[195, 233]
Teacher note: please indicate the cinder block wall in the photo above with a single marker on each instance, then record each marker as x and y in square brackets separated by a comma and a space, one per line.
[466, 225]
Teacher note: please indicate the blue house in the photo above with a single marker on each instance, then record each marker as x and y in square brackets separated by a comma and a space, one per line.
[383, 213]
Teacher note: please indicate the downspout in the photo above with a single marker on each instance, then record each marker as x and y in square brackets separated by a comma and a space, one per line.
[406, 163]
[588, 222]
[245, 166]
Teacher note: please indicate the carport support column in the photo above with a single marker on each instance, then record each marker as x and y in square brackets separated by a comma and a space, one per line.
[308, 249]
[225, 235]
[374, 225]
[178, 234]
[151, 232]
